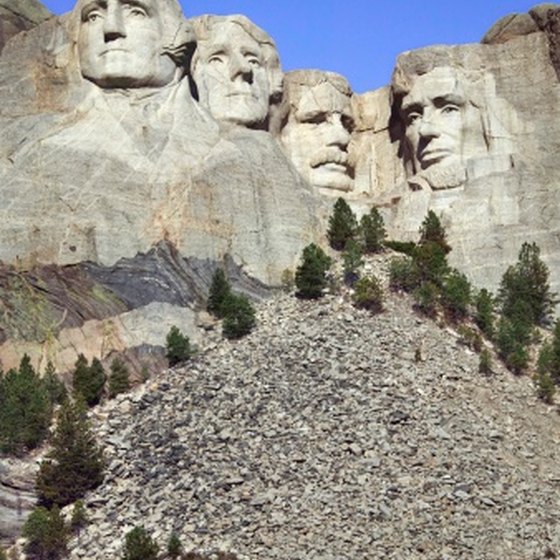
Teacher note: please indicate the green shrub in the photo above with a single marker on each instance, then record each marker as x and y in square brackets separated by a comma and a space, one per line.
[352, 261]
[46, 535]
[174, 547]
[406, 247]
[75, 463]
[239, 317]
[456, 295]
[139, 545]
[426, 298]
[88, 381]
[403, 274]
[528, 282]
[220, 290]
[343, 225]
[25, 409]
[311, 274]
[373, 231]
[484, 316]
[178, 347]
[119, 378]
[368, 294]
[79, 517]
[470, 338]
[545, 387]
[485, 362]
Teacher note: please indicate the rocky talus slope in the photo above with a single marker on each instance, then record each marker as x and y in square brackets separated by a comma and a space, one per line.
[320, 436]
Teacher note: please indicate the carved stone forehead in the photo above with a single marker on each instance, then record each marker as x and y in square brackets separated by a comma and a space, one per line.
[323, 97]
[438, 83]
[329, 87]
[169, 11]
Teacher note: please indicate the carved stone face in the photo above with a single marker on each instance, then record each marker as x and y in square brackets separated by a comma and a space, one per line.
[120, 43]
[317, 136]
[231, 77]
[436, 120]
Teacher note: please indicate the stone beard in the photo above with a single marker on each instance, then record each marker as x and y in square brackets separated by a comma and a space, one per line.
[121, 44]
[316, 133]
[442, 128]
[235, 68]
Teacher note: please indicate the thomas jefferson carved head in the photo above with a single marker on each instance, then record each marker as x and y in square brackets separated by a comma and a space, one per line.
[236, 69]
[314, 125]
[131, 43]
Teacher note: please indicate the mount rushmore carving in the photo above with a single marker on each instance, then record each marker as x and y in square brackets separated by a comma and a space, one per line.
[134, 136]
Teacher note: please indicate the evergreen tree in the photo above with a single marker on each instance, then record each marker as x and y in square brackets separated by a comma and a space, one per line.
[46, 535]
[513, 338]
[343, 225]
[239, 317]
[403, 274]
[431, 263]
[178, 347]
[54, 386]
[456, 295]
[373, 232]
[484, 317]
[220, 290]
[431, 230]
[89, 381]
[311, 274]
[174, 547]
[528, 281]
[485, 362]
[75, 463]
[353, 261]
[554, 366]
[25, 409]
[139, 545]
[119, 378]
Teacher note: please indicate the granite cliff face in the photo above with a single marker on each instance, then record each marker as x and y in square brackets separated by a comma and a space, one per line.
[131, 155]
[19, 15]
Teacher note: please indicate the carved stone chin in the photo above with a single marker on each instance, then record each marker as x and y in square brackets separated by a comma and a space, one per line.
[440, 177]
[315, 129]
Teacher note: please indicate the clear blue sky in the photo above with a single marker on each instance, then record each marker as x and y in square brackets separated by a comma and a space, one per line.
[357, 38]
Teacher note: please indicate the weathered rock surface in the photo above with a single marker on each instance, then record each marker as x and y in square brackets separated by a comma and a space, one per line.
[320, 436]
[19, 15]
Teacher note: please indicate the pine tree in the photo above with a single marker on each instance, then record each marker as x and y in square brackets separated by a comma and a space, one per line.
[46, 535]
[513, 338]
[456, 295]
[239, 319]
[311, 274]
[484, 317]
[75, 463]
[431, 230]
[79, 517]
[528, 281]
[373, 232]
[139, 545]
[25, 409]
[178, 347]
[54, 386]
[119, 378]
[353, 261]
[89, 381]
[343, 225]
[220, 290]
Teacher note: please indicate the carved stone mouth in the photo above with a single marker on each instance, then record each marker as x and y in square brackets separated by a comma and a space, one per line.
[116, 49]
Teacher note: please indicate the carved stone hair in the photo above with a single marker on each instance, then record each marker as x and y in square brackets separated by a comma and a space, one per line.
[203, 28]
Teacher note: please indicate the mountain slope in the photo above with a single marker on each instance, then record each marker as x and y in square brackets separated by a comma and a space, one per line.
[320, 436]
